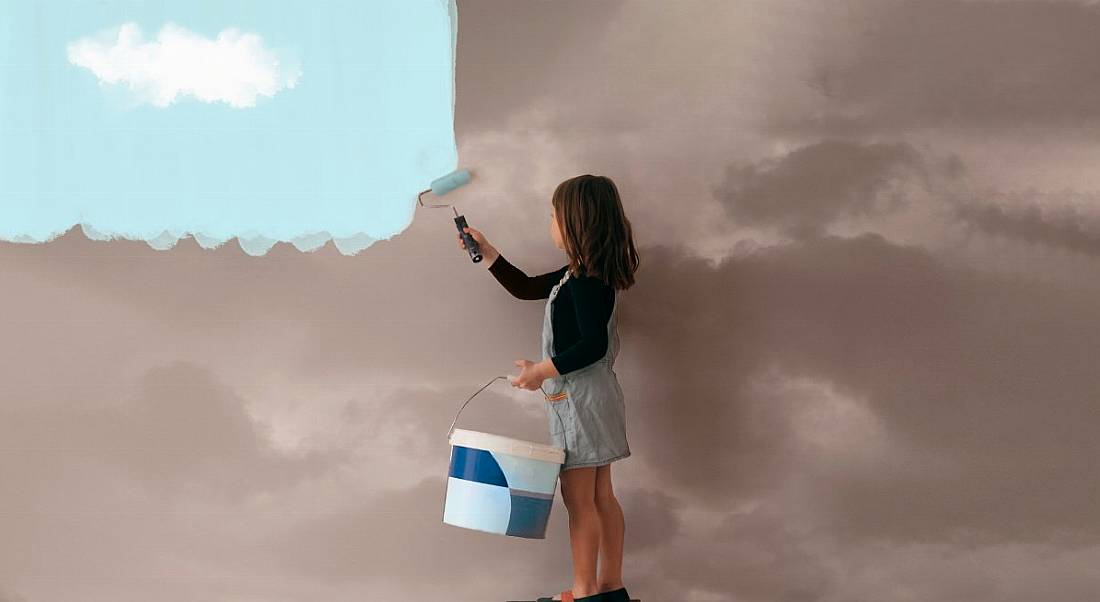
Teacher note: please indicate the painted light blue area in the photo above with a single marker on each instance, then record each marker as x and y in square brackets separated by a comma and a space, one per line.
[342, 154]
[528, 474]
[478, 506]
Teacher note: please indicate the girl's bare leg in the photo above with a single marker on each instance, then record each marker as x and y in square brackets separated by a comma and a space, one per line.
[578, 490]
[612, 532]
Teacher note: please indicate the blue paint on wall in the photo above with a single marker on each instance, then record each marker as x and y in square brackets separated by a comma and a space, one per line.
[351, 115]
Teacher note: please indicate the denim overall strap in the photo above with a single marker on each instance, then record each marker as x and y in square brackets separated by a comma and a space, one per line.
[553, 388]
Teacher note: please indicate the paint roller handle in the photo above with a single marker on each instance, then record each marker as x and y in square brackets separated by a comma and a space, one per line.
[487, 250]
[467, 240]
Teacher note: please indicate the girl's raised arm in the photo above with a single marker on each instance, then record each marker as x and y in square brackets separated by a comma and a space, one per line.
[520, 284]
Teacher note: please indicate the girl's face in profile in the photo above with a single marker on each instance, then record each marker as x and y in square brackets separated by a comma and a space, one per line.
[555, 232]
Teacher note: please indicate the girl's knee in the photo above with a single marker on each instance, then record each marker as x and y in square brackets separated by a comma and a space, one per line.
[606, 500]
[580, 502]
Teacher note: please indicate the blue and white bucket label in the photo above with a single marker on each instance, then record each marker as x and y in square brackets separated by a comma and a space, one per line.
[499, 493]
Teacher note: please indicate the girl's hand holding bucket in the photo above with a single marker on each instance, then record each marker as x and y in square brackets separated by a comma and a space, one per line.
[532, 374]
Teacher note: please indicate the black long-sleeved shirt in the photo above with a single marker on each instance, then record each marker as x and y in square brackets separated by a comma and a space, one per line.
[579, 313]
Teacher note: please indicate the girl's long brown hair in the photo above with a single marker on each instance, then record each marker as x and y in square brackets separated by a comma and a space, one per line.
[595, 231]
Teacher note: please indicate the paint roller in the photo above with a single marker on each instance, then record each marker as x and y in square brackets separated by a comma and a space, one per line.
[440, 187]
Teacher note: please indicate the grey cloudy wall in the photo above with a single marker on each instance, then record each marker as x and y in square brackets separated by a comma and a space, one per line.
[858, 360]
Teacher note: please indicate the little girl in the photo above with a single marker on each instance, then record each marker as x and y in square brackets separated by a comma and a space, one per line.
[580, 340]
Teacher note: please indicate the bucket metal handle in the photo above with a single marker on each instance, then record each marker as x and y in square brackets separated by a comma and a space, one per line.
[495, 378]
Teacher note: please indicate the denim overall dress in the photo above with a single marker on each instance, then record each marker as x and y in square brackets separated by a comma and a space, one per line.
[585, 407]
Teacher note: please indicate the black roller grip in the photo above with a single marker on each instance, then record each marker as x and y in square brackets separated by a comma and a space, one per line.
[471, 244]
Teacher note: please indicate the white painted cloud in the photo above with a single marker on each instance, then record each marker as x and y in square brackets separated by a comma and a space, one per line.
[235, 68]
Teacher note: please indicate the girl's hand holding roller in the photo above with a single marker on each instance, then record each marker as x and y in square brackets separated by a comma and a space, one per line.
[488, 251]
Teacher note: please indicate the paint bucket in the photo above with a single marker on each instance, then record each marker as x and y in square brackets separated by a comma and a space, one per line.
[501, 485]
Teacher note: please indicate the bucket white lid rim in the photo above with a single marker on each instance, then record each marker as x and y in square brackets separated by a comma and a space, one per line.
[507, 445]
